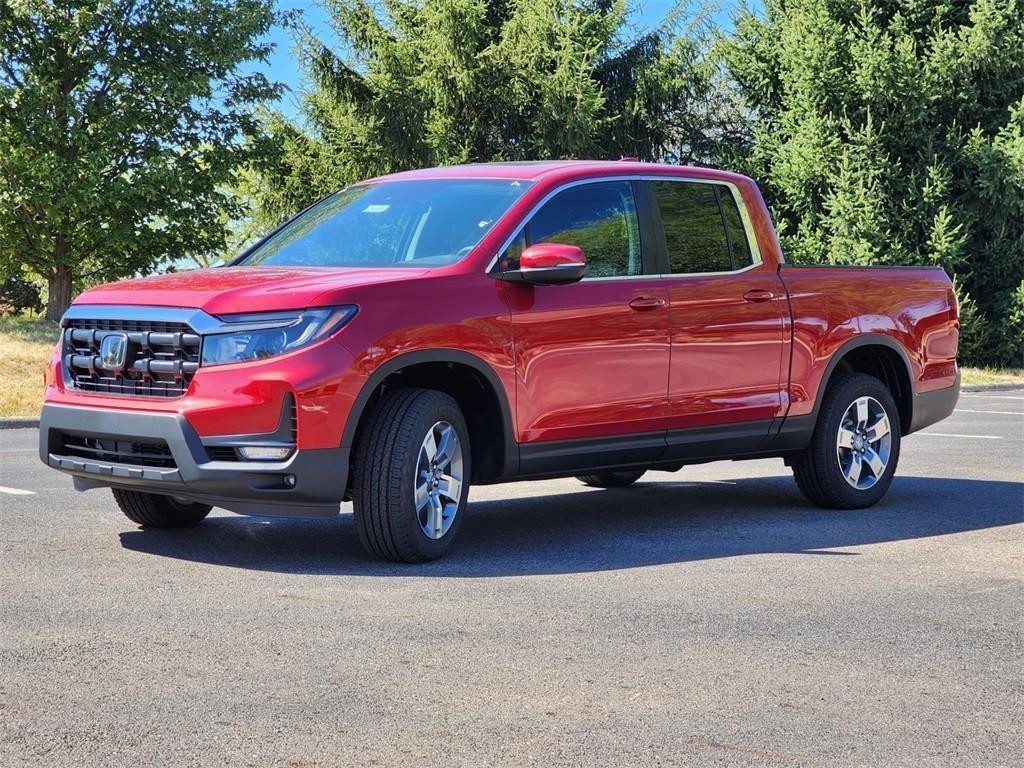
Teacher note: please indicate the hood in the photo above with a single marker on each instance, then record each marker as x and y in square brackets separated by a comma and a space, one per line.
[228, 290]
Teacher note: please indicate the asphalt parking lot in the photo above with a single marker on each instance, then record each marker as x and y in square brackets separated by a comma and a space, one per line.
[708, 617]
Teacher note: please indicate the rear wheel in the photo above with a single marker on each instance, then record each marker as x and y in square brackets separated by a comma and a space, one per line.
[410, 476]
[852, 457]
[612, 478]
[151, 510]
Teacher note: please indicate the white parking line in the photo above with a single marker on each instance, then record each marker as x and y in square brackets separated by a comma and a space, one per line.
[16, 491]
[998, 413]
[951, 434]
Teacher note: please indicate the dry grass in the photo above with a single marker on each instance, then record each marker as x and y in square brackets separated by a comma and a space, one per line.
[27, 344]
[980, 377]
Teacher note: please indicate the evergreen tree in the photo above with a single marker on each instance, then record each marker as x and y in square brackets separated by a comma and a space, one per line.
[435, 82]
[892, 131]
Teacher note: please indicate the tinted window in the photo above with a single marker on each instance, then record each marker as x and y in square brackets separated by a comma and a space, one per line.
[599, 218]
[741, 256]
[694, 231]
[395, 223]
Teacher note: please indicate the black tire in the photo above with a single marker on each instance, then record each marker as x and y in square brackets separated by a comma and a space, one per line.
[151, 510]
[384, 475]
[817, 470]
[619, 478]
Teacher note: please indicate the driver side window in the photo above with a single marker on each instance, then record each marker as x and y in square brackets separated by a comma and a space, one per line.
[599, 218]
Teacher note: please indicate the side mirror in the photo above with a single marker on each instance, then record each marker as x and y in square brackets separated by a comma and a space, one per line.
[549, 264]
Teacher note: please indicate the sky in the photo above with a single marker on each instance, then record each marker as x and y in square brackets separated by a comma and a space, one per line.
[282, 66]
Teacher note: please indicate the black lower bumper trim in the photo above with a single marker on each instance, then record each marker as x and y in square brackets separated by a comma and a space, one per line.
[930, 407]
[245, 487]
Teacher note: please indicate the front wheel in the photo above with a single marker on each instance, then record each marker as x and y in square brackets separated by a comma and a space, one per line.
[852, 457]
[410, 476]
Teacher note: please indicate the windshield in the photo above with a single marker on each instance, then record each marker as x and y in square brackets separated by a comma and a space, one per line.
[392, 224]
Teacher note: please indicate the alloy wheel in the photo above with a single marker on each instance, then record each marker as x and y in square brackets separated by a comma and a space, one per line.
[863, 443]
[438, 481]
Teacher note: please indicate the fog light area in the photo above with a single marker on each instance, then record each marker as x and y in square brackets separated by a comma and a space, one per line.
[264, 452]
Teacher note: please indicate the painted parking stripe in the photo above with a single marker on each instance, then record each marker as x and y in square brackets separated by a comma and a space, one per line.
[996, 397]
[951, 434]
[16, 491]
[997, 413]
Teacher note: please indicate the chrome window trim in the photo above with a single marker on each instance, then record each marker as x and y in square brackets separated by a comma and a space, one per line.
[748, 225]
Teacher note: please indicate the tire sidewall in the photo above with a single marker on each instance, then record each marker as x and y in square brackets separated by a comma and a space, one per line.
[446, 410]
[837, 401]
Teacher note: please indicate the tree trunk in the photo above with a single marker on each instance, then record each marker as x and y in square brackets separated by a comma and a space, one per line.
[59, 283]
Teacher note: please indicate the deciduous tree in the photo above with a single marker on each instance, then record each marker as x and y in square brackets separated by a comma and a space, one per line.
[120, 128]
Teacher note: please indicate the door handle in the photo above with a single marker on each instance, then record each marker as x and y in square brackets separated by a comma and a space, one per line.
[646, 303]
[758, 294]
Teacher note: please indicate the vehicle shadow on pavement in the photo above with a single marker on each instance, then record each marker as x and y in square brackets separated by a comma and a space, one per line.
[594, 530]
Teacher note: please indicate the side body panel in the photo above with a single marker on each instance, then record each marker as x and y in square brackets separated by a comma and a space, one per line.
[729, 355]
[832, 306]
[587, 364]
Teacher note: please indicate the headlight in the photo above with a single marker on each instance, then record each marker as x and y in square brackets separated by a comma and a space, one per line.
[272, 333]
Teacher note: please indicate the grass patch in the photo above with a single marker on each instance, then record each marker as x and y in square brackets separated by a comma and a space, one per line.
[992, 376]
[27, 343]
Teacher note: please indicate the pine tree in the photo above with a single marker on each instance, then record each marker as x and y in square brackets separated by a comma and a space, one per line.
[892, 131]
[436, 82]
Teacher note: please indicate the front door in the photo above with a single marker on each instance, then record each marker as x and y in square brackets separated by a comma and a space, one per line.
[592, 357]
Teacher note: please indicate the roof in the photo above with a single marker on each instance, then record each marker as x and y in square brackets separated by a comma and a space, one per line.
[534, 170]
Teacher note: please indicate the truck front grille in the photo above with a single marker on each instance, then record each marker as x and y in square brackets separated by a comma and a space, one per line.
[151, 453]
[161, 357]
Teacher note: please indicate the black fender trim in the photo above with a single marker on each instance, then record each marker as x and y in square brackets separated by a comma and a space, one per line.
[930, 407]
[436, 355]
[795, 432]
[866, 340]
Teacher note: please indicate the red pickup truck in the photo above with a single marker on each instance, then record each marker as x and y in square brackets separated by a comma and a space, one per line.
[416, 333]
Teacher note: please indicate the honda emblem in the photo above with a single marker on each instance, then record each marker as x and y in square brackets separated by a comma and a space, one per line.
[114, 352]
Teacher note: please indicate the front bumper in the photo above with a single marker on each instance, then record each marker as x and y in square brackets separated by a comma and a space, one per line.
[245, 487]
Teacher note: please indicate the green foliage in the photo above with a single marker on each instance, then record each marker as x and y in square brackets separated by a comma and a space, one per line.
[975, 329]
[1013, 329]
[120, 127]
[436, 82]
[18, 295]
[892, 131]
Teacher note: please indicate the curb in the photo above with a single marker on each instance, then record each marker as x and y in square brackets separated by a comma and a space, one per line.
[19, 423]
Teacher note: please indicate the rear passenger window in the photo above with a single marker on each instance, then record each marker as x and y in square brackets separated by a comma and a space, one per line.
[703, 229]
[601, 219]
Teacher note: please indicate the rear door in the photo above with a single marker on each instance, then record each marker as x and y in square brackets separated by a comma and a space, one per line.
[592, 357]
[727, 317]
